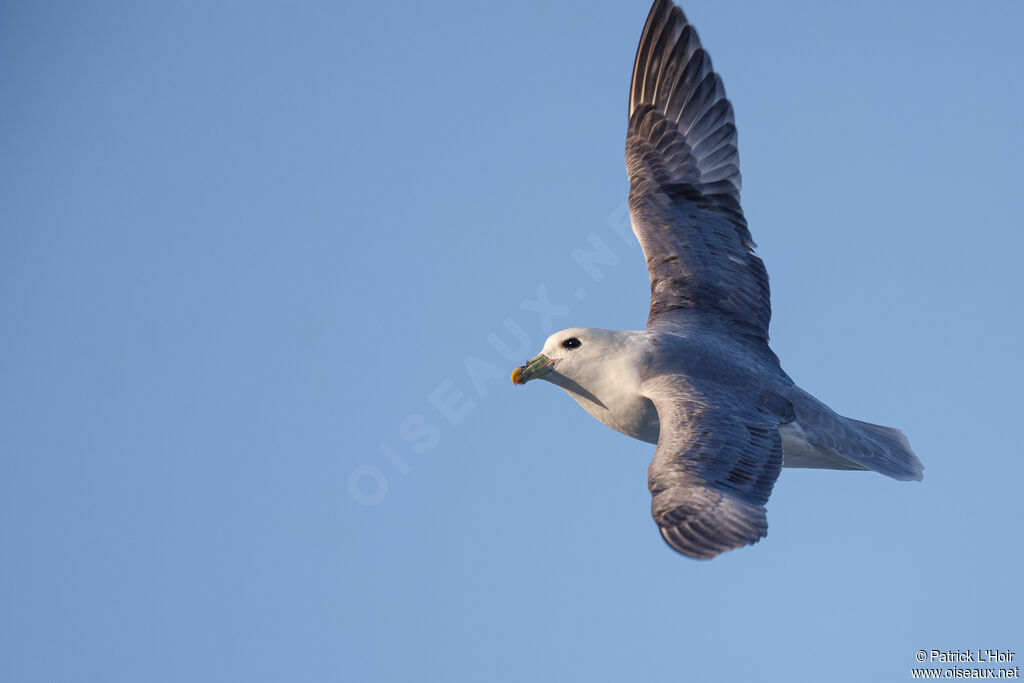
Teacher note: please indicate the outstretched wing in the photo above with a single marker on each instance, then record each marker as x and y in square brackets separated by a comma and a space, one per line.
[684, 196]
[714, 469]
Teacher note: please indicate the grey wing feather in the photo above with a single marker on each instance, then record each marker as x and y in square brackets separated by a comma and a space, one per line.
[684, 197]
[714, 469]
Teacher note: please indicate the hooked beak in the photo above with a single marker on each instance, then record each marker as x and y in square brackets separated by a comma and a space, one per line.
[535, 367]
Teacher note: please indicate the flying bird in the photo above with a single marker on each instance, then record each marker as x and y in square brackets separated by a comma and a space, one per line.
[701, 381]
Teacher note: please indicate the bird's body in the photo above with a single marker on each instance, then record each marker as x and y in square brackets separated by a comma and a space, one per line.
[701, 381]
[613, 393]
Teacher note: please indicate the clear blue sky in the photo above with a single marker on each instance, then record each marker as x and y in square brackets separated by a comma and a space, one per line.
[244, 247]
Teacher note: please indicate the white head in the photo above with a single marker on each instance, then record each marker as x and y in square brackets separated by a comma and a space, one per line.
[578, 357]
[601, 370]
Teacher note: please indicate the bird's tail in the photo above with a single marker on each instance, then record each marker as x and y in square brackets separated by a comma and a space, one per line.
[898, 461]
[820, 438]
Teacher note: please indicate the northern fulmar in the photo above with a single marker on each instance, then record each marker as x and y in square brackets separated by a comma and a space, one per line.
[701, 381]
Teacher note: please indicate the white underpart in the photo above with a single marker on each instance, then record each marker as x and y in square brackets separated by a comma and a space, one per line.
[797, 451]
[615, 384]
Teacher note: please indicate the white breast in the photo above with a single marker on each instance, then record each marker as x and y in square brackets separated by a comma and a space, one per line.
[634, 416]
[613, 397]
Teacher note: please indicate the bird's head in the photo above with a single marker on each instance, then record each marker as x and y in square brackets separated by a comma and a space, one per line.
[574, 355]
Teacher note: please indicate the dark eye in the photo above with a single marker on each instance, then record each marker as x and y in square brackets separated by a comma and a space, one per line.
[572, 343]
